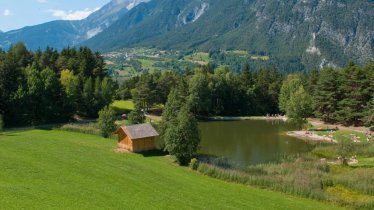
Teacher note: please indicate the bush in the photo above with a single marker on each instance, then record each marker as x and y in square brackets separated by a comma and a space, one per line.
[194, 164]
[345, 149]
[106, 121]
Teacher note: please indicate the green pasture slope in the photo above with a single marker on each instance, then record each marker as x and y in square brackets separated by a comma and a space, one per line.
[42, 169]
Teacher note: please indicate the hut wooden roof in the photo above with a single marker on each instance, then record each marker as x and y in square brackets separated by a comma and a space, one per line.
[140, 131]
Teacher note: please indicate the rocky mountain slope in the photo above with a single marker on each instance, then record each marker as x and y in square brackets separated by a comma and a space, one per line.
[309, 33]
[312, 32]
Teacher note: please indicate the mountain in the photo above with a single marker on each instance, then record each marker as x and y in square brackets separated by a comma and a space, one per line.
[312, 32]
[62, 33]
[308, 33]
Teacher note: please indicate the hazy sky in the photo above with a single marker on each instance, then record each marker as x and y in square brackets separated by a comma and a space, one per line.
[16, 14]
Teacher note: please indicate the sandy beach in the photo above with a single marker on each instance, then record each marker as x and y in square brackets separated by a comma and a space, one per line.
[310, 136]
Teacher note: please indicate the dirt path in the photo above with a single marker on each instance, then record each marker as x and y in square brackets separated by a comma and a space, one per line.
[319, 123]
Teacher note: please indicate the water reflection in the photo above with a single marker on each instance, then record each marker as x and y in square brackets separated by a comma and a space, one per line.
[249, 142]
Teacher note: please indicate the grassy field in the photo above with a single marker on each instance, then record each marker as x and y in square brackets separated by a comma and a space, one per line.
[43, 169]
[123, 106]
[344, 135]
[198, 57]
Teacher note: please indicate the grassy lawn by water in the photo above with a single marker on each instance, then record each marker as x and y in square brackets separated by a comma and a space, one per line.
[344, 135]
[42, 169]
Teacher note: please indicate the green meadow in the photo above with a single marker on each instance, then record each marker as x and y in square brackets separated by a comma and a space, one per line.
[123, 106]
[50, 169]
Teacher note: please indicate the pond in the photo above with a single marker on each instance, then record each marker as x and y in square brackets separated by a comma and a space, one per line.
[249, 142]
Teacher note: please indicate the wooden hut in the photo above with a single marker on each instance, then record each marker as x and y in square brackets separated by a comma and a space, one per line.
[137, 138]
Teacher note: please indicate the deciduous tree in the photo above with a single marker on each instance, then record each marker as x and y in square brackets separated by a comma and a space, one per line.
[106, 121]
[182, 139]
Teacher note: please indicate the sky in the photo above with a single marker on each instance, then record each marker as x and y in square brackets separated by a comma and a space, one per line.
[15, 14]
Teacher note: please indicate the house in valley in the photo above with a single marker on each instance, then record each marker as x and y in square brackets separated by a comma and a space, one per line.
[137, 138]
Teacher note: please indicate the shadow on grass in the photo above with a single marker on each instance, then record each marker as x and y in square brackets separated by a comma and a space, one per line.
[154, 153]
[8, 134]
[47, 128]
[120, 111]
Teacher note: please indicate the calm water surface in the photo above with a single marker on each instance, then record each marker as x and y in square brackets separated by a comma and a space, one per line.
[249, 142]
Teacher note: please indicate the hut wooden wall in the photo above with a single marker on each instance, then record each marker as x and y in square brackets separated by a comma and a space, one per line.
[137, 145]
[124, 141]
[144, 144]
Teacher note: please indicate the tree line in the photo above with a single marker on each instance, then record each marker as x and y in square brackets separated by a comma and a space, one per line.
[344, 96]
[50, 86]
[335, 95]
[210, 92]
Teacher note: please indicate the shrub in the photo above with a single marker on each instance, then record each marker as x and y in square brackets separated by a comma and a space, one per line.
[194, 164]
[345, 149]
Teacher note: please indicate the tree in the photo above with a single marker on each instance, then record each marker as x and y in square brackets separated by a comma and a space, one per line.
[199, 93]
[137, 115]
[70, 84]
[246, 77]
[355, 93]
[172, 107]
[182, 139]
[299, 106]
[107, 90]
[369, 114]
[291, 85]
[106, 121]
[146, 92]
[98, 95]
[326, 95]
[35, 90]
[89, 104]
[51, 97]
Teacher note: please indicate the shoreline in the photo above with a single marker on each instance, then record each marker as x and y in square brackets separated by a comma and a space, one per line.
[311, 136]
[318, 123]
[230, 118]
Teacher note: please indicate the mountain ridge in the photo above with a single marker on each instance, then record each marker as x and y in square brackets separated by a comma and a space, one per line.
[316, 32]
[311, 33]
[63, 33]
